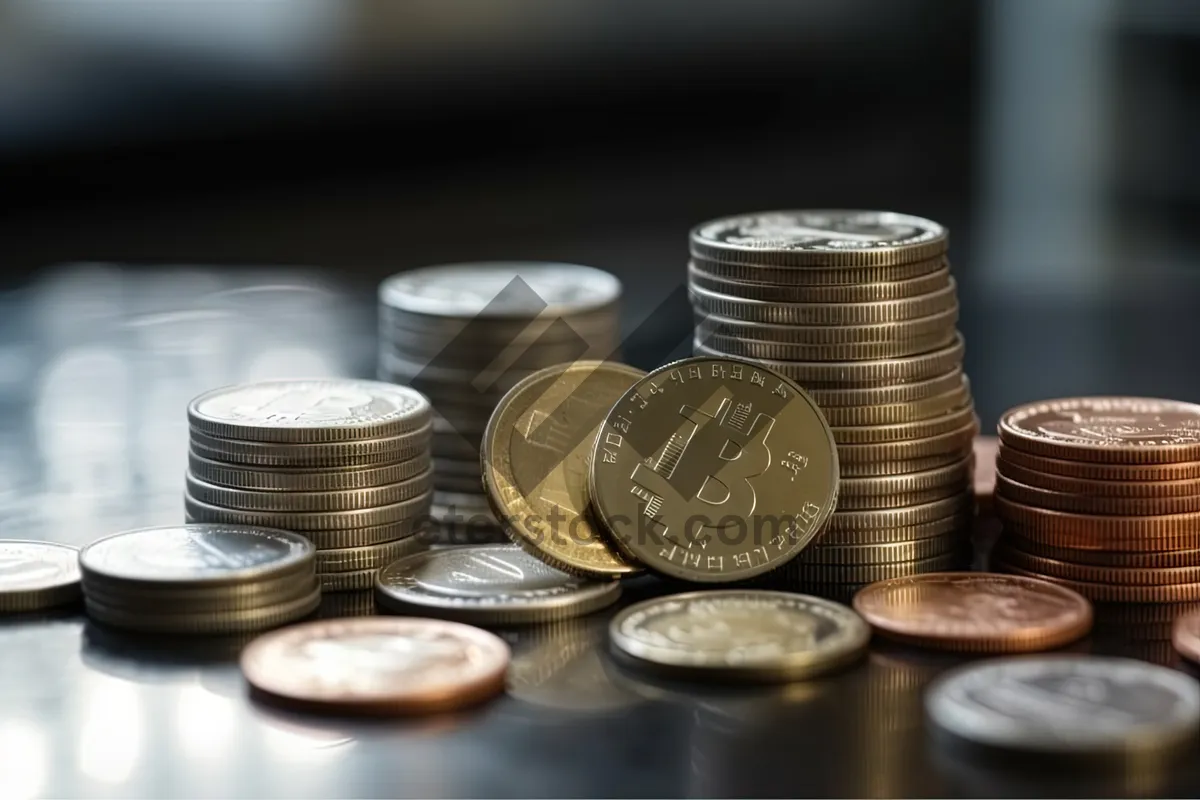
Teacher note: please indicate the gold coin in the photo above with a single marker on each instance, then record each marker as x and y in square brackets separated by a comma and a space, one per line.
[748, 272]
[1100, 528]
[714, 470]
[890, 414]
[1102, 558]
[839, 374]
[1128, 576]
[939, 324]
[1085, 470]
[907, 431]
[867, 573]
[958, 442]
[1109, 430]
[956, 475]
[900, 499]
[535, 463]
[1094, 503]
[792, 292]
[959, 524]
[1109, 593]
[1121, 490]
[901, 517]
[902, 466]
[850, 555]
[709, 344]
[774, 312]
[888, 394]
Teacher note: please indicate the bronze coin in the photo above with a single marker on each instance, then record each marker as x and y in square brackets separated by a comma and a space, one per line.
[377, 665]
[1108, 489]
[1112, 430]
[1094, 471]
[1103, 530]
[1102, 558]
[986, 450]
[1185, 635]
[1112, 593]
[1069, 570]
[1093, 503]
[975, 612]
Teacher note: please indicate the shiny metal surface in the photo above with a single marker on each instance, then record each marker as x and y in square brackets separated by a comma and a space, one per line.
[96, 370]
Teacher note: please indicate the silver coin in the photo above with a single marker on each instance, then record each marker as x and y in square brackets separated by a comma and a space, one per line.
[312, 479]
[201, 599]
[235, 621]
[349, 559]
[1067, 705]
[494, 289]
[879, 312]
[197, 554]
[488, 584]
[37, 575]
[410, 509]
[355, 453]
[297, 412]
[752, 635]
[301, 502]
[819, 238]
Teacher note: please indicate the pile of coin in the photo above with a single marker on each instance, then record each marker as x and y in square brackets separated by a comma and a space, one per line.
[345, 463]
[35, 576]
[464, 334]
[1102, 495]
[200, 579]
[859, 308]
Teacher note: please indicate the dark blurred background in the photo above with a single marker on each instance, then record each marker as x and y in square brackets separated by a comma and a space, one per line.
[1058, 139]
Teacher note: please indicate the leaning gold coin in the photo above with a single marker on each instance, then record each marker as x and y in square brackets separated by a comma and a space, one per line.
[535, 464]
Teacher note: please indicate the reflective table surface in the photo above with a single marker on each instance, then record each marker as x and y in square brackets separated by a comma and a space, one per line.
[96, 369]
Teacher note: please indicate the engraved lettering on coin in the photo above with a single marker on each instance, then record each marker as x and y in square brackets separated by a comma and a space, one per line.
[1109, 421]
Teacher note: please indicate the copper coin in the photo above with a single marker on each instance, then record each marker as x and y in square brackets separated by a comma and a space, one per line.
[986, 450]
[1115, 489]
[1113, 593]
[1094, 471]
[1102, 558]
[1185, 635]
[1093, 503]
[1114, 430]
[1069, 570]
[975, 612]
[1151, 533]
[378, 665]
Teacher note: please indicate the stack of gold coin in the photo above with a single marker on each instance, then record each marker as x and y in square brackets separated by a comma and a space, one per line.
[859, 308]
[464, 334]
[344, 463]
[1102, 495]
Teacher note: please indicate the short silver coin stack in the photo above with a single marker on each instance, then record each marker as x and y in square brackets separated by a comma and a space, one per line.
[344, 463]
[463, 335]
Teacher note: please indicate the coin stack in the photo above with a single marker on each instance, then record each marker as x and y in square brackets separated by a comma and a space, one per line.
[345, 463]
[1102, 495]
[464, 334]
[199, 579]
[859, 308]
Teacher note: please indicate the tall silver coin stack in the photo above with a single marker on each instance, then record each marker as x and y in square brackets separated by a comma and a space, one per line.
[463, 335]
[345, 463]
[200, 579]
[860, 309]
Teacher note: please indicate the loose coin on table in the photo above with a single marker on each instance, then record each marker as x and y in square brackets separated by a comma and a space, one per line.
[37, 575]
[199, 578]
[714, 470]
[1114, 708]
[750, 635]
[384, 666]
[535, 458]
[975, 612]
[488, 585]
[1185, 635]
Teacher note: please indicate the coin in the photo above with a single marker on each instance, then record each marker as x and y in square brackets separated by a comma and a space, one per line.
[1093, 503]
[309, 411]
[182, 556]
[1085, 470]
[1109, 592]
[975, 612]
[940, 326]
[1102, 558]
[37, 575]
[371, 557]
[377, 665]
[1100, 528]
[954, 475]
[713, 344]
[940, 425]
[234, 620]
[1067, 705]
[1090, 573]
[535, 463]
[756, 273]
[889, 414]
[311, 520]
[749, 635]
[349, 581]
[362, 452]
[804, 572]
[902, 466]
[867, 502]
[819, 238]
[303, 502]
[782, 313]
[488, 584]
[837, 374]
[1185, 635]
[853, 536]
[1108, 489]
[1115, 430]
[863, 292]
[313, 479]
[487, 290]
[851, 555]
[713, 470]
[888, 394]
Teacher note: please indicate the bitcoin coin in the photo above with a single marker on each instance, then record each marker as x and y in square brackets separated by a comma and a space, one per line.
[37, 575]
[1114, 430]
[713, 470]
[535, 464]
[750, 635]
[975, 612]
[377, 665]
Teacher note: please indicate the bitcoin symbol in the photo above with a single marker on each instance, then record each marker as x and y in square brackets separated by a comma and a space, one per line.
[699, 482]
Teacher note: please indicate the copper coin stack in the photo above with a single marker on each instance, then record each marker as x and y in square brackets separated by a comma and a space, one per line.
[463, 335]
[859, 308]
[1102, 495]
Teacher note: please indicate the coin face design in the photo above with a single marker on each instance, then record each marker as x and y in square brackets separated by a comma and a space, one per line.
[391, 663]
[26, 566]
[309, 404]
[500, 289]
[740, 631]
[832, 230]
[195, 553]
[536, 455]
[976, 608]
[1075, 426]
[713, 469]
[1066, 704]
